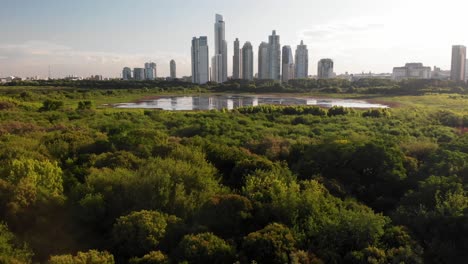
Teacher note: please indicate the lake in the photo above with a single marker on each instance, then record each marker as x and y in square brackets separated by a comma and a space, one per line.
[211, 102]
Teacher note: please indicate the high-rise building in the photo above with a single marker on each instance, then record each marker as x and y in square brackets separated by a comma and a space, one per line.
[458, 63]
[236, 61]
[263, 63]
[288, 64]
[150, 71]
[247, 62]
[173, 69]
[274, 56]
[466, 70]
[325, 69]
[200, 60]
[216, 65]
[139, 74]
[302, 61]
[412, 71]
[221, 50]
[127, 74]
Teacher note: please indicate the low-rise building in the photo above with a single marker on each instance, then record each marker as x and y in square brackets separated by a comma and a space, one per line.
[412, 71]
[439, 74]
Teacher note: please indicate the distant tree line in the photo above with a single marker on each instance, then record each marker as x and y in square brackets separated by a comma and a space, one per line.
[363, 86]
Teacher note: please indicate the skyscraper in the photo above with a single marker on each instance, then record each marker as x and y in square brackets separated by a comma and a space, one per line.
[288, 64]
[221, 50]
[139, 74]
[127, 74]
[216, 65]
[236, 61]
[458, 63]
[200, 60]
[263, 69]
[325, 69]
[150, 71]
[302, 61]
[247, 61]
[173, 69]
[274, 56]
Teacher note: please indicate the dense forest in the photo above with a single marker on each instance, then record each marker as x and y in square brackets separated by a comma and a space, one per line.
[81, 182]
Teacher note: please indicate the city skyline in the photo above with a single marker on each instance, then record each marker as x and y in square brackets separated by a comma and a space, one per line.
[357, 36]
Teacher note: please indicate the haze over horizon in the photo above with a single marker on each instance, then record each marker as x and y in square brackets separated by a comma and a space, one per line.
[91, 37]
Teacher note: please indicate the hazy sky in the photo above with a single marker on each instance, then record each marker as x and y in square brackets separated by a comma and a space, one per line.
[87, 37]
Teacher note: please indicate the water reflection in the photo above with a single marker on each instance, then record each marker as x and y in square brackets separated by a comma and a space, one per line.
[189, 103]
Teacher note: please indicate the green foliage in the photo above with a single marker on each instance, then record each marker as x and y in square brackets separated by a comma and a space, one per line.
[28, 181]
[296, 182]
[372, 172]
[436, 212]
[376, 113]
[141, 232]
[273, 244]
[154, 257]
[226, 215]
[205, 248]
[84, 105]
[51, 105]
[11, 251]
[337, 111]
[90, 257]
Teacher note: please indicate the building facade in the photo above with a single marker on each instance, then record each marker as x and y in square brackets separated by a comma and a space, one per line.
[458, 63]
[274, 57]
[247, 62]
[302, 61]
[236, 61]
[127, 74]
[325, 69]
[173, 69]
[263, 62]
[220, 51]
[200, 60]
[139, 74]
[411, 71]
[288, 65]
[150, 71]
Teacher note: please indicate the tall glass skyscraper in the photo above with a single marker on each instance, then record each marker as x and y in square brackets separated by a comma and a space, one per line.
[302, 61]
[274, 56]
[127, 73]
[173, 69]
[236, 61]
[263, 65]
[247, 62]
[288, 64]
[325, 69]
[200, 60]
[150, 71]
[220, 56]
[458, 63]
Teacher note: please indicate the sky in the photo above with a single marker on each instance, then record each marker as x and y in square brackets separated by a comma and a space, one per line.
[89, 37]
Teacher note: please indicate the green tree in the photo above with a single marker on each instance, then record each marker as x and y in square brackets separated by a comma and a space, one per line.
[141, 232]
[273, 244]
[51, 105]
[11, 250]
[205, 248]
[90, 257]
[154, 257]
[29, 181]
[84, 105]
[226, 215]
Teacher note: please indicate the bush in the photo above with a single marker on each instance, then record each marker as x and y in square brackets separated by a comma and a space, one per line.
[51, 105]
